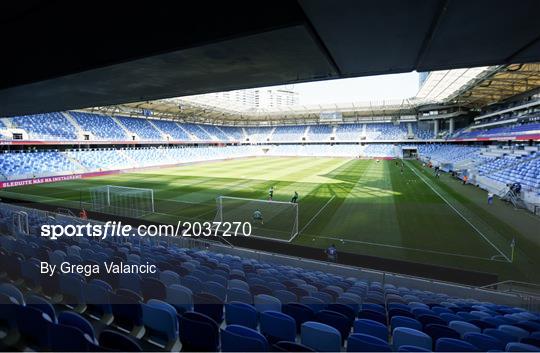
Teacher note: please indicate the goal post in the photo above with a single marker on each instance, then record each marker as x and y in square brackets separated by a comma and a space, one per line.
[279, 220]
[122, 200]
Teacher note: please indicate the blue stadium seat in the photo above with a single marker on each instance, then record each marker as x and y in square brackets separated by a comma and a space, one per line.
[276, 326]
[320, 337]
[407, 336]
[216, 289]
[161, 323]
[238, 313]
[239, 295]
[450, 317]
[521, 347]
[402, 321]
[98, 301]
[484, 342]
[193, 283]
[359, 342]
[41, 304]
[236, 338]
[263, 302]
[285, 296]
[11, 291]
[463, 327]
[237, 283]
[73, 319]
[180, 297]
[372, 328]
[312, 302]
[454, 345]
[325, 297]
[515, 331]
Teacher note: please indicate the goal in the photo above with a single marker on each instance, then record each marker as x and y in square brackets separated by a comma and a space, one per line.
[122, 201]
[279, 219]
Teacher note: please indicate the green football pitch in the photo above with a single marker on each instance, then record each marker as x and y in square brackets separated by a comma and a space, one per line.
[362, 206]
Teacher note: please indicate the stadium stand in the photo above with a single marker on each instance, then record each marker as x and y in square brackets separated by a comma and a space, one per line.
[386, 131]
[141, 127]
[289, 133]
[319, 132]
[233, 133]
[172, 129]
[505, 131]
[349, 132]
[216, 133]
[55, 126]
[195, 288]
[51, 126]
[422, 133]
[380, 150]
[99, 159]
[196, 131]
[258, 134]
[30, 164]
[101, 126]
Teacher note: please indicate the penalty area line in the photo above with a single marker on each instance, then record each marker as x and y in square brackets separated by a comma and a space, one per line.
[314, 216]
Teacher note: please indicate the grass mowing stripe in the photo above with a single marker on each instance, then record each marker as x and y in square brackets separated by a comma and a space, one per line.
[459, 213]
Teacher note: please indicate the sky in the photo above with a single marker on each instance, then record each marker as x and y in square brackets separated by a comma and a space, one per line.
[361, 89]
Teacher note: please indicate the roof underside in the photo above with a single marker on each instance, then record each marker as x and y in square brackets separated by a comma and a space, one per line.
[67, 57]
[196, 111]
[501, 84]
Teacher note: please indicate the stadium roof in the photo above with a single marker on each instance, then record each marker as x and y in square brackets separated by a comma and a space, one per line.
[498, 84]
[440, 85]
[204, 112]
[437, 88]
[172, 49]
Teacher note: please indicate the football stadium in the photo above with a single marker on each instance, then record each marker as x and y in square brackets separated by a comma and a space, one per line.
[310, 175]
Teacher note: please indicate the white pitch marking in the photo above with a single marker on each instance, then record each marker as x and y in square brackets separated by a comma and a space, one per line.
[459, 213]
[411, 249]
[315, 216]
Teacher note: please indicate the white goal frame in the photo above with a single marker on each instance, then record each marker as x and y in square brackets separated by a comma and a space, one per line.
[294, 206]
[104, 201]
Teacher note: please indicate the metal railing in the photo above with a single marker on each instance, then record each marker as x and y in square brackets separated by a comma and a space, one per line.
[528, 292]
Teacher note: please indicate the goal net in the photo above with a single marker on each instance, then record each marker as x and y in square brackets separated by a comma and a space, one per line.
[122, 201]
[279, 220]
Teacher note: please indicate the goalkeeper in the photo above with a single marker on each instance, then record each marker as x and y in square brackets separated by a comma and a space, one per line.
[295, 198]
[258, 217]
